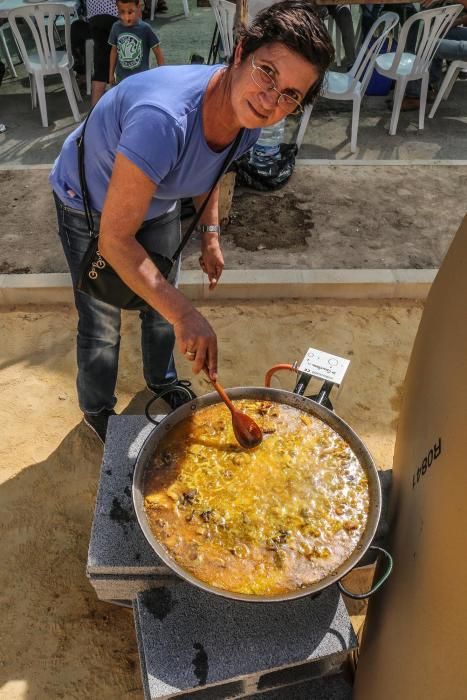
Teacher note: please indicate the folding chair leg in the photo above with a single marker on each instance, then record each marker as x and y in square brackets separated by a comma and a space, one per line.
[186, 8]
[75, 87]
[355, 120]
[398, 95]
[303, 125]
[39, 82]
[32, 84]
[6, 53]
[423, 95]
[454, 73]
[66, 77]
[445, 88]
[88, 59]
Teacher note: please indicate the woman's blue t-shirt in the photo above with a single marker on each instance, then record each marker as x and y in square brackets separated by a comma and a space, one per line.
[155, 120]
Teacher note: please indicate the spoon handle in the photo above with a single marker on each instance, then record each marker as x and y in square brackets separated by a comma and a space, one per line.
[220, 390]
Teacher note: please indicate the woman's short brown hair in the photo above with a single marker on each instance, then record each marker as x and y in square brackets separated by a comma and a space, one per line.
[295, 24]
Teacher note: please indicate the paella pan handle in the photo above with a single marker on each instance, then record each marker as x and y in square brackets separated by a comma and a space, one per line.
[161, 395]
[146, 411]
[378, 584]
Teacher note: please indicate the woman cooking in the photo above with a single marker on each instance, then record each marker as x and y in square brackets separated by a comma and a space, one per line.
[157, 137]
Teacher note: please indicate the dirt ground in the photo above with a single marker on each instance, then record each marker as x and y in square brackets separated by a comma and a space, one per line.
[326, 217]
[57, 639]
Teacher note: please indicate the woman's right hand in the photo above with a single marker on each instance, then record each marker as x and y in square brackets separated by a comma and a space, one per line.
[197, 340]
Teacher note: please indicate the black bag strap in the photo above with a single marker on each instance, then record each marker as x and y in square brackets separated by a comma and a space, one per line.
[191, 228]
[82, 180]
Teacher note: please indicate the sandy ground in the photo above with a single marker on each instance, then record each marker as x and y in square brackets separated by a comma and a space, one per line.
[57, 639]
[326, 217]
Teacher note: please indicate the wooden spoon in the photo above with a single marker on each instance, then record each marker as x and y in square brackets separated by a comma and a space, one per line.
[247, 432]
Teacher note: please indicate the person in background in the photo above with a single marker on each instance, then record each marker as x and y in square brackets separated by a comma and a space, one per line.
[101, 15]
[452, 47]
[370, 14]
[160, 136]
[161, 7]
[131, 40]
[342, 16]
[80, 31]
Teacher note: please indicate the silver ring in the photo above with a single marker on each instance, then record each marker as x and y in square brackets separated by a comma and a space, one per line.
[190, 354]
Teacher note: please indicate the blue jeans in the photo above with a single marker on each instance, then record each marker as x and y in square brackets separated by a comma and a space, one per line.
[453, 47]
[98, 340]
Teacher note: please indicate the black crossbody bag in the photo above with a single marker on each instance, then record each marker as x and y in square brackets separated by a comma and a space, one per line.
[97, 278]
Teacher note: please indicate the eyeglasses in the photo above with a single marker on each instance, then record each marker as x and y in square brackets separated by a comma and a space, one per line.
[262, 79]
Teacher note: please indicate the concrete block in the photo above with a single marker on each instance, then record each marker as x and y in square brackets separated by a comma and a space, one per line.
[125, 437]
[191, 640]
[126, 587]
[334, 687]
[223, 691]
[117, 545]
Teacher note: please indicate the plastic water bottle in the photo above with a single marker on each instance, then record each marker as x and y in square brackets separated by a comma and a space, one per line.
[267, 149]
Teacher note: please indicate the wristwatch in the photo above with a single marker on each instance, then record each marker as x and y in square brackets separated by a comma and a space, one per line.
[208, 228]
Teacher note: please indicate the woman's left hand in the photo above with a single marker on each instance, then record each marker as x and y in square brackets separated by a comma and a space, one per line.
[211, 259]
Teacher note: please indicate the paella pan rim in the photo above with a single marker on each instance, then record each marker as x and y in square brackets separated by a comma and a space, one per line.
[279, 396]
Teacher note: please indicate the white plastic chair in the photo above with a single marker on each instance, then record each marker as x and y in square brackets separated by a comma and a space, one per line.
[446, 86]
[6, 52]
[45, 59]
[403, 67]
[352, 85]
[186, 8]
[224, 12]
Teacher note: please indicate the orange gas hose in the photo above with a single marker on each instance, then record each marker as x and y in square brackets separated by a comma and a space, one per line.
[276, 368]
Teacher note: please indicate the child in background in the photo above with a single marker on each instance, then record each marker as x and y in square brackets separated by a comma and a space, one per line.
[131, 40]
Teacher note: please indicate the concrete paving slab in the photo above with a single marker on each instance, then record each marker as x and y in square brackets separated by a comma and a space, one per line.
[192, 640]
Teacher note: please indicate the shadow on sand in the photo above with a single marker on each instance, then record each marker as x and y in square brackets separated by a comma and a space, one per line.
[59, 640]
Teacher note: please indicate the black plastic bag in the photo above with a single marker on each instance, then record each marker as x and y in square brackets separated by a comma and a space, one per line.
[267, 178]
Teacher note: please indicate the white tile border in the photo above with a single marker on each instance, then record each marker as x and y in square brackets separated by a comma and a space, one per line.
[245, 284]
[21, 166]
[411, 163]
[299, 162]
